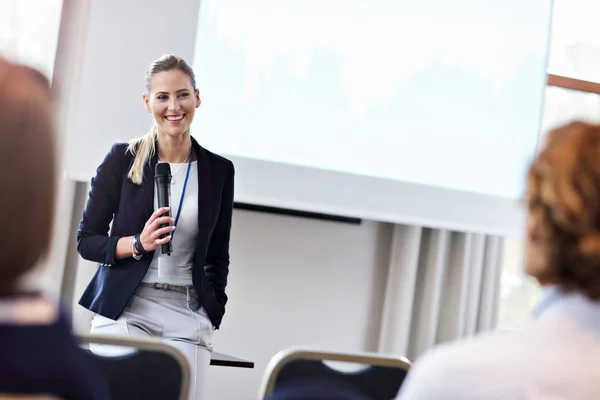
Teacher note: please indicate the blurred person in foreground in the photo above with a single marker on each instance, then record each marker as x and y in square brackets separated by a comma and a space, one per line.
[557, 354]
[38, 354]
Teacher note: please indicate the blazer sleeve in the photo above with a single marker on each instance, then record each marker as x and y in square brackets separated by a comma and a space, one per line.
[217, 256]
[93, 241]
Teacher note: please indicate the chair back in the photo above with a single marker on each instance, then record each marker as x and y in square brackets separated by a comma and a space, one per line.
[27, 397]
[302, 373]
[151, 370]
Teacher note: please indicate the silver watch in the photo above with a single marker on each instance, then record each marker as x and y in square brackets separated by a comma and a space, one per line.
[133, 243]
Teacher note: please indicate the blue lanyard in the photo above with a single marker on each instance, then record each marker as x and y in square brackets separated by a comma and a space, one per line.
[187, 175]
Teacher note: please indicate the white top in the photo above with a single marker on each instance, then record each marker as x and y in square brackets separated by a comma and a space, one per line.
[555, 356]
[176, 269]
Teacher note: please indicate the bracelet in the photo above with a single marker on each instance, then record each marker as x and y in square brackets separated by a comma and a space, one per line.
[138, 245]
[133, 245]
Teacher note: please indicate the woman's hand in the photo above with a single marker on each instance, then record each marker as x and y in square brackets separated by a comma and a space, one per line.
[150, 238]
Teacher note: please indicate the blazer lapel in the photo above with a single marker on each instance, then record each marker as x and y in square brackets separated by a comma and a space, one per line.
[148, 184]
[204, 196]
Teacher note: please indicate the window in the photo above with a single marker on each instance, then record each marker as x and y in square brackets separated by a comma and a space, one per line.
[561, 105]
[575, 44]
[29, 32]
[573, 92]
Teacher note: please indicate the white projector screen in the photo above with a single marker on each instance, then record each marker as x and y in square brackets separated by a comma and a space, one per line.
[404, 111]
[423, 112]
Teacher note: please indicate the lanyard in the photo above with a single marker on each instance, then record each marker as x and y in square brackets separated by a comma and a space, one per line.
[187, 175]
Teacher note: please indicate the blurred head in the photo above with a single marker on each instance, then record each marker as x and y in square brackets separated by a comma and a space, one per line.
[27, 165]
[171, 95]
[563, 202]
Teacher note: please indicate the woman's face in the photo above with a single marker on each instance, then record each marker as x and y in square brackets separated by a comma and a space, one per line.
[172, 101]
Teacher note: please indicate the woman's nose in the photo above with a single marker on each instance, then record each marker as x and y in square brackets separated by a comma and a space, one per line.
[174, 105]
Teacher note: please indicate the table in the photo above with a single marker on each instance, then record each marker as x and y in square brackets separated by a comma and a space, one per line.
[223, 360]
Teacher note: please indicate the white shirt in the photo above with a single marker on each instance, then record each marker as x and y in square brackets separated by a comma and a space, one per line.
[176, 269]
[555, 356]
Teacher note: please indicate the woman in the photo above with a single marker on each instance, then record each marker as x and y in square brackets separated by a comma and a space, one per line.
[38, 355]
[555, 356]
[137, 290]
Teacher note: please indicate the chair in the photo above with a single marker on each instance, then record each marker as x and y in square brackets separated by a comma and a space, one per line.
[152, 370]
[26, 397]
[302, 373]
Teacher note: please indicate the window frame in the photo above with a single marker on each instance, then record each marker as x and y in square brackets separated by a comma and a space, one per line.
[578, 85]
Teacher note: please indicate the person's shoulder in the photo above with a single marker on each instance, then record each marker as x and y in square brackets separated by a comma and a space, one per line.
[121, 149]
[118, 152]
[115, 160]
[460, 369]
[431, 376]
[218, 159]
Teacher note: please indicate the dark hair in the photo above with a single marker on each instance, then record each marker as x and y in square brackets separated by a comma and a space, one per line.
[563, 200]
[169, 62]
[144, 147]
[27, 162]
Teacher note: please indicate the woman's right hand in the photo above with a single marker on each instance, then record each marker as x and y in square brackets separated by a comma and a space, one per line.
[150, 238]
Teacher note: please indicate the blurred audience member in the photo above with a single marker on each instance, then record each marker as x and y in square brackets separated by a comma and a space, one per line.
[557, 354]
[38, 355]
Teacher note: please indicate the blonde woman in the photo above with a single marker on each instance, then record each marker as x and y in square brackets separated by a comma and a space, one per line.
[137, 290]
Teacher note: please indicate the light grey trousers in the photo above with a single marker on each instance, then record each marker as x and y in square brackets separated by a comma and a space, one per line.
[173, 316]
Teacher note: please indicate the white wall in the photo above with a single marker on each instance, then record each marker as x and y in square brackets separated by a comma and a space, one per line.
[298, 282]
[293, 282]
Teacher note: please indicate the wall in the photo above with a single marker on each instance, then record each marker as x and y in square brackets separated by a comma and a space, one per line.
[298, 282]
[293, 282]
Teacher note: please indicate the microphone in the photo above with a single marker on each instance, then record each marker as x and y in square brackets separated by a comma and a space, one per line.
[162, 177]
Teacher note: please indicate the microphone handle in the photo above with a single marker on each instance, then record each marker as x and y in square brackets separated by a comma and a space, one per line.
[163, 192]
[166, 248]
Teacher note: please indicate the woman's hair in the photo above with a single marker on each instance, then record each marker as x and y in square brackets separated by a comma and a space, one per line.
[144, 147]
[563, 200]
[27, 157]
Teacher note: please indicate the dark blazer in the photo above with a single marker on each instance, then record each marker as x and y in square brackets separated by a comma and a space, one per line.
[114, 197]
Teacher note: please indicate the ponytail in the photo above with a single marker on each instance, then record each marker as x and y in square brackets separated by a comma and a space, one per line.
[142, 148]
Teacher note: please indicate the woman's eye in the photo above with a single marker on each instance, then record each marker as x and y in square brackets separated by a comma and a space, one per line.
[162, 97]
[183, 94]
